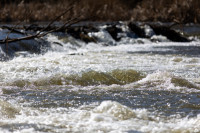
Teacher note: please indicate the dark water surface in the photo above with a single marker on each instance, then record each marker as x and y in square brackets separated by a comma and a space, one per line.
[166, 102]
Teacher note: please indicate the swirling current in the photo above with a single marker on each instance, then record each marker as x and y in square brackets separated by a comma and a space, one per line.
[135, 85]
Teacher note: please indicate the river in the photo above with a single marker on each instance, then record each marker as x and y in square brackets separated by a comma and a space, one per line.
[135, 85]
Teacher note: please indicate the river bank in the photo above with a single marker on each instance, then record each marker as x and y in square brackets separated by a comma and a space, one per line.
[181, 11]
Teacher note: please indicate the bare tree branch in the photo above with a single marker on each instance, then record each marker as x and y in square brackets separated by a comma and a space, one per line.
[13, 30]
[71, 6]
[40, 33]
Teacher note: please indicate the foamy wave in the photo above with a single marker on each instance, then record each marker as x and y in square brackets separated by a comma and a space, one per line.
[166, 80]
[119, 111]
[109, 116]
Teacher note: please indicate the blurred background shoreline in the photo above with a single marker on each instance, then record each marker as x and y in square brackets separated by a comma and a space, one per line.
[179, 11]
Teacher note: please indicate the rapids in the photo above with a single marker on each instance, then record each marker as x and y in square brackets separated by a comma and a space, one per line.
[135, 85]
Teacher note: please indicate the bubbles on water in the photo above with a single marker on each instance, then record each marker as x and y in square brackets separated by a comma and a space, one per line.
[108, 116]
[115, 109]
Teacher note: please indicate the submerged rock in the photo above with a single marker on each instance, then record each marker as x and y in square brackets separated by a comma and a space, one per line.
[149, 30]
[33, 27]
[137, 30]
[86, 38]
[169, 33]
[81, 32]
[33, 46]
[113, 31]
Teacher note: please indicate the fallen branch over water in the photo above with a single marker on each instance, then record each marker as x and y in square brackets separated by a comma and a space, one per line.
[44, 31]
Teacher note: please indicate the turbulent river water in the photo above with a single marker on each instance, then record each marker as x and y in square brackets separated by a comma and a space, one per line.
[131, 86]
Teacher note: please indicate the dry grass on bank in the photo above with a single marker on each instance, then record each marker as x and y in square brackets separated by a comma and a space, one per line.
[105, 10]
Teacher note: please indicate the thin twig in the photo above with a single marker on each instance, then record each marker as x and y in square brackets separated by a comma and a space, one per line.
[63, 27]
[71, 6]
[13, 30]
[40, 34]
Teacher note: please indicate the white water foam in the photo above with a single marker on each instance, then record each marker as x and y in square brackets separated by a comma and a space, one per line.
[109, 116]
[101, 59]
